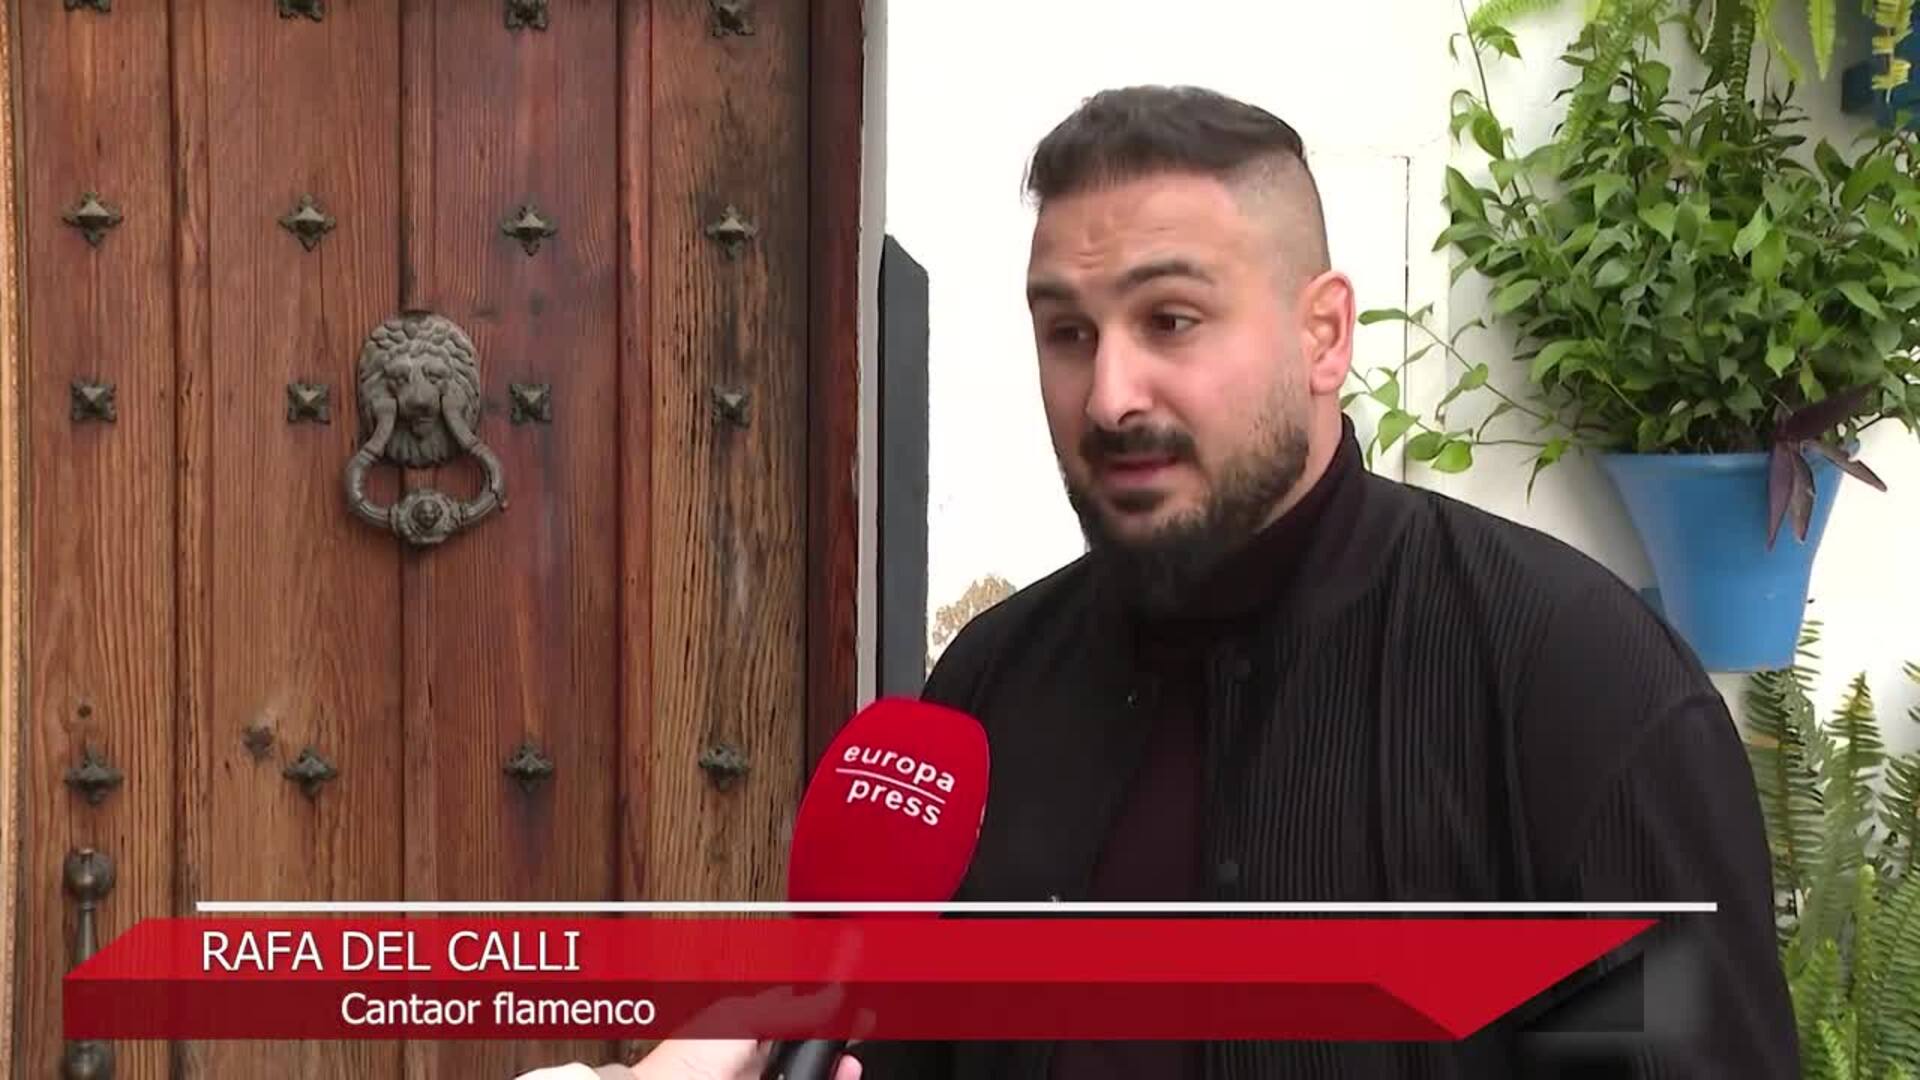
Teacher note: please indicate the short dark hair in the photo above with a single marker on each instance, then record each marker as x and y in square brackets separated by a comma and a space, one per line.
[1124, 134]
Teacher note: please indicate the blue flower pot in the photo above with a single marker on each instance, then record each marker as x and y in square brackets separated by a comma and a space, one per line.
[1702, 519]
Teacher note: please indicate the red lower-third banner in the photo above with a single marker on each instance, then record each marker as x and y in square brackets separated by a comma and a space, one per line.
[885, 978]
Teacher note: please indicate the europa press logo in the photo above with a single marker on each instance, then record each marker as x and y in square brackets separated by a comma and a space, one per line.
[894, 808]
[895, 781]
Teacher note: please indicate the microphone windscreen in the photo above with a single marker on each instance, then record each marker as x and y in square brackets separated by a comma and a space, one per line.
[893, 812]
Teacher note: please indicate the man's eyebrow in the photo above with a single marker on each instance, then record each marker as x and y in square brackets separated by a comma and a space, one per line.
[1161, 268]
[1040, 289]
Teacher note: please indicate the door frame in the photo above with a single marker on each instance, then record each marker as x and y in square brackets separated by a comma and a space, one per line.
[836, 81]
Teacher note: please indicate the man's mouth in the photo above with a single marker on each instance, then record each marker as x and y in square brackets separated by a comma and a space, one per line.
[1130, 469]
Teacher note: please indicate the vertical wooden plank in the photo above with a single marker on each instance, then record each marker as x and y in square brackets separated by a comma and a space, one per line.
[523, 608]
[100, 518]
[835, 77]
[193, 450]
[418, 260]
[635, 443]
[635, 725]
[729, 501]
[291, 614]
[12, 555]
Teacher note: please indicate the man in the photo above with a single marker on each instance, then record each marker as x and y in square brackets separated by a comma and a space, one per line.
[1275, 676]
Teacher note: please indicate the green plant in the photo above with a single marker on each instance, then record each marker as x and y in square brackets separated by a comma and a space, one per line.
[1841, 815]
[1736, 24]
[1677, 278]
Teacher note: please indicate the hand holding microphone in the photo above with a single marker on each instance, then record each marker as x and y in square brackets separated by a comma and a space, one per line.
[891, 815]
[689, 1059]
[721, 1059]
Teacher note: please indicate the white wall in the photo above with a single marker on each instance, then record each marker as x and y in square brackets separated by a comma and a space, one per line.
[971, 88]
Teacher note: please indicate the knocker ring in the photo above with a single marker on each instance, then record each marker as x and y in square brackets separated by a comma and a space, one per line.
[419, 394]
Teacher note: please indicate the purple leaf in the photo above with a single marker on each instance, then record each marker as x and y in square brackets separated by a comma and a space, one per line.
[1856, 469]
[1779, 488]
[1800, 502]
[1817, 419]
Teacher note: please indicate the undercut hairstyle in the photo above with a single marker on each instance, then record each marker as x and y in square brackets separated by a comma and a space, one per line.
[1127, 134]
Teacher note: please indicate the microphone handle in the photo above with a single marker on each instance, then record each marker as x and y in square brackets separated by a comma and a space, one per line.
[814, 1059]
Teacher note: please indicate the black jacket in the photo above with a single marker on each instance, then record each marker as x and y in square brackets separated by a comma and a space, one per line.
[1447, 706]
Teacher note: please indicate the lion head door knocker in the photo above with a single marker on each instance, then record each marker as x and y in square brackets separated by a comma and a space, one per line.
[419, 390]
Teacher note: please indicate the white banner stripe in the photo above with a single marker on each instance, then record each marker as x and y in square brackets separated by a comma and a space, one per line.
[728, 907]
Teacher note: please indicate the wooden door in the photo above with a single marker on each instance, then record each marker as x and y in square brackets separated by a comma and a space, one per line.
[245, 224]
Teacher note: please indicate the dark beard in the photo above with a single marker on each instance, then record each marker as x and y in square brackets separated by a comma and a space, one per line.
[1158, 574]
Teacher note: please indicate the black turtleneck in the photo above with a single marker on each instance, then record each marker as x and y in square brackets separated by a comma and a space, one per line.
[1154, 851]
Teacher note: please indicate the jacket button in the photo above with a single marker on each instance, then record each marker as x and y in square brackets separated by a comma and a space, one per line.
[1133, 698]
[1227, 873]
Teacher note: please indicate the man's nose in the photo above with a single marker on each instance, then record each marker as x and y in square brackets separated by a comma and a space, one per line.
[1120, 383]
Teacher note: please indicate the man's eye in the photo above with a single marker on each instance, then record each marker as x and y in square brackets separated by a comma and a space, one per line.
[1166, 322]
[1067, 334]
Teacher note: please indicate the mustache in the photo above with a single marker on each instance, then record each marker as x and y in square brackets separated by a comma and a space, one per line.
[1099, 444]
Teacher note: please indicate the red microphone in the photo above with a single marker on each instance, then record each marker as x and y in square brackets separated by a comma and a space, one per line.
[892, 814]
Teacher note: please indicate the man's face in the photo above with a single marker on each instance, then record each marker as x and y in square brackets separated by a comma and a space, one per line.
[1170, 364]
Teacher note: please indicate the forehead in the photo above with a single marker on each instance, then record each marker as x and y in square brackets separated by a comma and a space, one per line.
[1089, 236]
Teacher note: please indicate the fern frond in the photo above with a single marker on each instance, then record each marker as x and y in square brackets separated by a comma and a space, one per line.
[1811, 633]
[1851, 939]
[1863, 953]
[1726, 55]
[1900, 815]
[1503, 12]
[1728, 66]
[1872, 888]
[1823, 751]
[1816, 990]
[1843, 856]
[1858, 736]
[1619, 26]
[1848, 759]
[1836, 1039]
[1779, 714]
[1889, 991]
[1900, 804]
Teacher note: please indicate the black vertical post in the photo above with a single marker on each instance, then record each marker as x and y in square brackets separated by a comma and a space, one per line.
[902, 473]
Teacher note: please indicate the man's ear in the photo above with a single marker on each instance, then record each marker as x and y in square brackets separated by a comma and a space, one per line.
[1326, 325]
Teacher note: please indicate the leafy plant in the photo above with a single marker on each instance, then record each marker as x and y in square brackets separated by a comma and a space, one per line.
[1841, 814]
[1677, 277]
[1736, 24]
